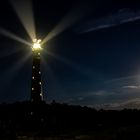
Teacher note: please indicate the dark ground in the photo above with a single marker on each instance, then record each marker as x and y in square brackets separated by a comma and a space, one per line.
[56, 121]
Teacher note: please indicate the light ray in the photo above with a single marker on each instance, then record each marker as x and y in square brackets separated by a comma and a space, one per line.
[17, 66]
[14, 70]
[82, 69]
[7, 53]
[71, 18]
[10, 35]
[50, 72]
[51, 75]
[24, 11]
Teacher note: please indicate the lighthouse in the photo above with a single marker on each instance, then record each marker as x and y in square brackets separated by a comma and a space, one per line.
[36, 84]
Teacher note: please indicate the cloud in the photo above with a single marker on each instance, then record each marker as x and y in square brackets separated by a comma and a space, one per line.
[80, 98]
[127, 78]
[129, 104]
[102, 93]
[116, 93]
[120, 17]
[131, 87]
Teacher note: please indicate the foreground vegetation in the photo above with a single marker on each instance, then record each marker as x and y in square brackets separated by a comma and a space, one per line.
[56, 121]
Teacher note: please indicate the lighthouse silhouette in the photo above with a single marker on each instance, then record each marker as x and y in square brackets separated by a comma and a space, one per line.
[36, 84]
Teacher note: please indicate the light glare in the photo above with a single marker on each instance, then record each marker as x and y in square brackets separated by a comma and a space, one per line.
[24, 11]
[36, 45]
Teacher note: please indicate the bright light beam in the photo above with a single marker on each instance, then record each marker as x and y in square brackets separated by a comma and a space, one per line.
[24, 11]
[13, 36]
[71, 18]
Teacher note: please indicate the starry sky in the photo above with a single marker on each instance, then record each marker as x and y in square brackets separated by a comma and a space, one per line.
[94, 60]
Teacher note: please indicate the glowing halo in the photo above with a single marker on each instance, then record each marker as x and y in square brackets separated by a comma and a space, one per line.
[36, 45]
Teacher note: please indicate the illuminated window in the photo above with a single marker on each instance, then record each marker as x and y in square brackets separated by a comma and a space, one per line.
[32, 88]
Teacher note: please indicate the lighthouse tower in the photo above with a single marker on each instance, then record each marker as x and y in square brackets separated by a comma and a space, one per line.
[36, 84]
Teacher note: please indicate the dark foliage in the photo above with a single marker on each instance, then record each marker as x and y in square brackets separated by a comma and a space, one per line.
[41, 119]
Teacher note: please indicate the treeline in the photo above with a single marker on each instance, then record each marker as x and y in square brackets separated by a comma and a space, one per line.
[41, 119]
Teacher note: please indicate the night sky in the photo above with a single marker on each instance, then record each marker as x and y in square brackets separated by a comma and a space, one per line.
[94, 61]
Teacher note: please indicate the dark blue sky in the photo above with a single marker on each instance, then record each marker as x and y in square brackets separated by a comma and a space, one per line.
[94, 62]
